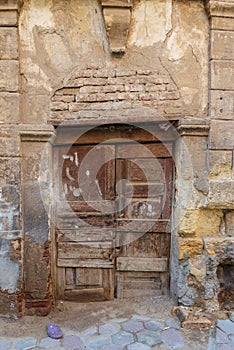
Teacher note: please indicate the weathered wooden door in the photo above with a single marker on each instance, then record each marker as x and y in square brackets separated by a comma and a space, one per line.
[123, 248]
[143, 223]
[85, 234]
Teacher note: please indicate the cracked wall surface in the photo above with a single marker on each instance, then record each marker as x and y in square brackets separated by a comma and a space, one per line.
[56, 65]
[57, 38]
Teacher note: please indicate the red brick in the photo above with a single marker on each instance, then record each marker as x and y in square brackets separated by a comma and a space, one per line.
[86, 98]
[125, 73]
[107, 97]
[134, 87]
[148, 96]
[59, 106]
[75, 107]
[144, 72]
[94, 81]
[89, 89]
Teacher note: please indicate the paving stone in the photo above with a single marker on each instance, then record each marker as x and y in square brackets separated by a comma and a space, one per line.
[138, 346]
[114, 347]
[221, 337]
[172, 324]
[73, 342]
[224, 347]
[149, 338]
[89, 332]
[226, 326]
[231, 339]
[5, 344]
[140, 318]
[153, 325]
[98, 342]
[212, 339]
[47, 343]
[109, 329]
[24, 344]
[132, 326]
[172, 338]
[122, 338]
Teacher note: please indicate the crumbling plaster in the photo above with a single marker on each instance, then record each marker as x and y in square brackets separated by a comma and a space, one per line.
[58, 37]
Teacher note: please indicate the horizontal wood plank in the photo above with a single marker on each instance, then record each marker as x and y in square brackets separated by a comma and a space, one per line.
[138, 225]
[157, 150]
[85, 235]
[85, 295]
[92, 250]
[142, 264]
[95, 263]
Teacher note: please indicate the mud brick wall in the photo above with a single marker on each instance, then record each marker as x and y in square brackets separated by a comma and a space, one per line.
[10, 182]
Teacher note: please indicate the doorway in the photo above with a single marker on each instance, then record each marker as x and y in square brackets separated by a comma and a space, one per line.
[112, 214]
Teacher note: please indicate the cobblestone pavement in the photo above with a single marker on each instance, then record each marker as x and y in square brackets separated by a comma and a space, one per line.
[135, 333]
[115, 325]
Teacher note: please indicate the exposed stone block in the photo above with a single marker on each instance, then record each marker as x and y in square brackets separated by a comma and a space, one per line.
[9, 103]
[188, 223]
[221, 135]
[230, 223]
[8, 18]
[8, 43]
[190, 247]
[220, 163]
[220, 45]
[9, 76]
[9, 141]
[201, 223]
[221, 194]
[222, 104]
[222, 75]
[35, 108]
[9, 171]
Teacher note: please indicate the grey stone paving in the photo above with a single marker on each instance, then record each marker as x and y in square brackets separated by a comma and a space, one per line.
[135, 333]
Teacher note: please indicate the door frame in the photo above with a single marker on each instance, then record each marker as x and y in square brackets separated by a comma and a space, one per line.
[68, 132]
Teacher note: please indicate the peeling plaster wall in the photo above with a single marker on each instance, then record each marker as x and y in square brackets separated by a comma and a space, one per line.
[178, 61]
[58, 37]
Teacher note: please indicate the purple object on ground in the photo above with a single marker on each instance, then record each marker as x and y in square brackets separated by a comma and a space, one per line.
[54, 331]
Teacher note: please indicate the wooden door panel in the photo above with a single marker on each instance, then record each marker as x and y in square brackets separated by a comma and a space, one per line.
[136, 151]
[85, 233]
[144, 201]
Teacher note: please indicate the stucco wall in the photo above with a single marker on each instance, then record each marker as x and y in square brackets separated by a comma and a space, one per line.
[60, 37]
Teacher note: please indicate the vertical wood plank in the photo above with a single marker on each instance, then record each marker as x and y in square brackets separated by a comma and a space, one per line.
[61, 283]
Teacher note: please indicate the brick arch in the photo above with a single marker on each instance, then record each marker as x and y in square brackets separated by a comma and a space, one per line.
[109, 93]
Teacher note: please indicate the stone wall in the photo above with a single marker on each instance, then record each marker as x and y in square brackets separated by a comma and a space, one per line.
[204, 239]
[177, 64]
[10, 181]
